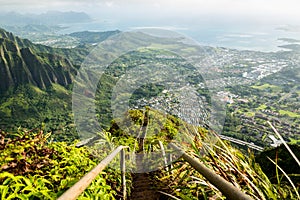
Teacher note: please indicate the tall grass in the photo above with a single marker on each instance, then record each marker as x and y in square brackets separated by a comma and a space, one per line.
[230, 163]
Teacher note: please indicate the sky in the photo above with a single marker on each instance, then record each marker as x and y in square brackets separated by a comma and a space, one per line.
[231, 23]
[265, 10]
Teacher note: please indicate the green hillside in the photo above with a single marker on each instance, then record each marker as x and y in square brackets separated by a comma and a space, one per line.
[35, 85]
[38, 136]
[32, 166]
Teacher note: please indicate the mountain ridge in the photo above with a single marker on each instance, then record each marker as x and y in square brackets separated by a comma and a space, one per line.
[21, 63]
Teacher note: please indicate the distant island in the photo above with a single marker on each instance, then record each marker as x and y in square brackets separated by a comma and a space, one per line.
[48, 18]
[294, 47]
[289, 40]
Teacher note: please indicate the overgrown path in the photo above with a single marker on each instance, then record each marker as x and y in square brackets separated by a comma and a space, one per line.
[142, 187]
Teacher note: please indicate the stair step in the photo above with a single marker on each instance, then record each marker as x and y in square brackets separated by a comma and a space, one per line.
[142, 188]
[138, 185]
[140, 177]
[144, 192]
[141, 183]
[144, 196]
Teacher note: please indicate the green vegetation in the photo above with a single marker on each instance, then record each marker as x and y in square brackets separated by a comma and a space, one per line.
[289, 113]
[262, 107]
[282, 157]
[266, 86]
[36, 92]
[30, 107]
[87, 37]
[249, 114]
[183, 182]
[141, 58]
[274, 98]
[32, 167]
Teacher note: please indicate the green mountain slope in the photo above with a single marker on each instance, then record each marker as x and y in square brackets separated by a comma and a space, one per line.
[35, 85]
[93, 37]
[22, 65]
[76, 55]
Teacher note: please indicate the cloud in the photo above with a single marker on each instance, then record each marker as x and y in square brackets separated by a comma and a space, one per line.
[260, 9]
[109, 3]
[38, 6]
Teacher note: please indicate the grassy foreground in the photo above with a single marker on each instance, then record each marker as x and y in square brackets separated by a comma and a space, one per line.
[34, 167]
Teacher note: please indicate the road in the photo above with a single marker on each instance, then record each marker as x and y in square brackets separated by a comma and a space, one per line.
[241, 142]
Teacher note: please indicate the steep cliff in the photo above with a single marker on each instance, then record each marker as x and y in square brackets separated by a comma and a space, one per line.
[22, 62]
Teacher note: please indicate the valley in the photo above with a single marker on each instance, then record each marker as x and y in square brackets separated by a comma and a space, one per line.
[250, 84]
[69, 88]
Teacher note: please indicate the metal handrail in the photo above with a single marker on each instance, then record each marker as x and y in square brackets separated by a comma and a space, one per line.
[224, 186]
[73, 192]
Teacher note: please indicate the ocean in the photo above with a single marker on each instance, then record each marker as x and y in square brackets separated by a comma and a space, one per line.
[265, 38]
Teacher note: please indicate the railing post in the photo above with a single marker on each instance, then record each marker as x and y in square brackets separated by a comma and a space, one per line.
[73, 192]
[170, 161]
[163, 154]
[123, 172]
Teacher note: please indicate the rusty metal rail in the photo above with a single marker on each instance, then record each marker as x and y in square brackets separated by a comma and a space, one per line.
[230, 191]
[224, 186]
[73, 192]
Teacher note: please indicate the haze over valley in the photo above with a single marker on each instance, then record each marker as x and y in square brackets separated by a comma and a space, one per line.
[169, 81]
